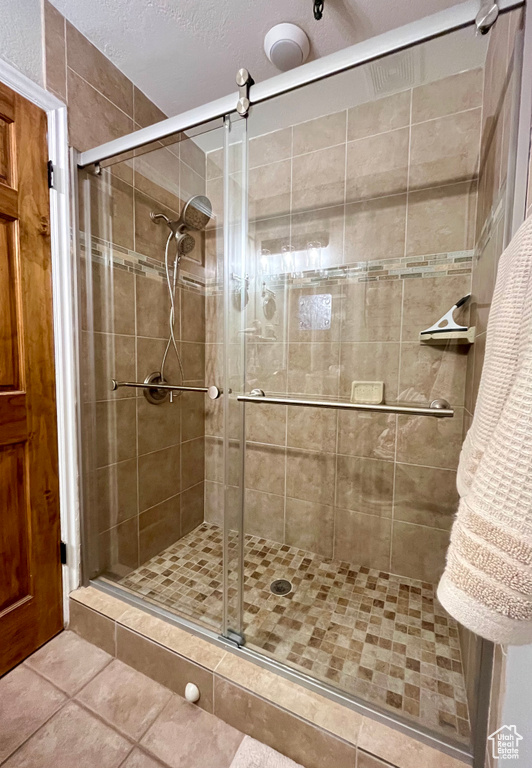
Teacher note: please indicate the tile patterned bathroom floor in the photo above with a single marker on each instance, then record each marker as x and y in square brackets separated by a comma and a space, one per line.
[381, 637]
[71, 705]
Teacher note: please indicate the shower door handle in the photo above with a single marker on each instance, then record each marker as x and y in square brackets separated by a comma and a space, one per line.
[438, 408]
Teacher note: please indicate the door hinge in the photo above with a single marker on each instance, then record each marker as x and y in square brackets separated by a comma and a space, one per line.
[50, 167]
[63, 553]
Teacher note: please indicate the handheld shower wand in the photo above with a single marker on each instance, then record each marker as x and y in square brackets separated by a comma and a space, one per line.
[195, 215]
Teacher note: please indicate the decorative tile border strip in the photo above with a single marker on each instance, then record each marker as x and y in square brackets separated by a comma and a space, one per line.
[138, 264]
[434, 265]
[405, 268]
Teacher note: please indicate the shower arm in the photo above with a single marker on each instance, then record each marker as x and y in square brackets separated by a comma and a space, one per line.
[213, 392]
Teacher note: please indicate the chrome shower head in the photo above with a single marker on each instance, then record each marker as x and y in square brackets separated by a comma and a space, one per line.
[185, 243]
[196, 213]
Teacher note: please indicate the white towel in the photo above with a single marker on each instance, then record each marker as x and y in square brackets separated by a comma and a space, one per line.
[487, 583]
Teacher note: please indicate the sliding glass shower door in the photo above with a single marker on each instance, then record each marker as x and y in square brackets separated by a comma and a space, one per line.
[362, 196]
[151, 265]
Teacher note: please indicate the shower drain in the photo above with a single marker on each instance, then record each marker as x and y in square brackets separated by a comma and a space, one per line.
[280, 587]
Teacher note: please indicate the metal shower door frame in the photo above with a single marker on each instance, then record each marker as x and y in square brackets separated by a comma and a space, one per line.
[443, 22]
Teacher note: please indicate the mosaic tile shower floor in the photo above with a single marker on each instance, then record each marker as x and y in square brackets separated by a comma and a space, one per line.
[381, 637]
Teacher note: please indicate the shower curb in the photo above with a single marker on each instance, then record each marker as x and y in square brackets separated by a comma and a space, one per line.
[302, 724]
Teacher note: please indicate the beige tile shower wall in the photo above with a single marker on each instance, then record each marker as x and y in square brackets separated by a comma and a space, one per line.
[390, 180]
[146, 485]
[498, 104]
[149, 482]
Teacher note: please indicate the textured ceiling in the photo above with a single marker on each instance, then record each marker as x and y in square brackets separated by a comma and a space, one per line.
[183, 53]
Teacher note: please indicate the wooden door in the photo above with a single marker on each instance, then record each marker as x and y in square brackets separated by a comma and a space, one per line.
[30, 569]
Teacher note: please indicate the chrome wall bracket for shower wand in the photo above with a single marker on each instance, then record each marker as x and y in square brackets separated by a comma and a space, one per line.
[244, 82]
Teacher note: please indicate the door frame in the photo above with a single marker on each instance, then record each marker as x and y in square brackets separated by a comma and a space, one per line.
[65, 313]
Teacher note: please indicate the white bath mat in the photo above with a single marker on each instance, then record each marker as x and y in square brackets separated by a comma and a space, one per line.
[253, 754]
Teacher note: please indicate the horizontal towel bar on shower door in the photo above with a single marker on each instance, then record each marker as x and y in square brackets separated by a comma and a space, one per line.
[213, 391]
[438, 408]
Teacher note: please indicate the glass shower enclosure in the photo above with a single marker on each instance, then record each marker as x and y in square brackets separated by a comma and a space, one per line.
[270, 446]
